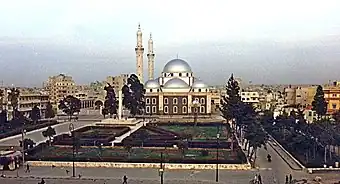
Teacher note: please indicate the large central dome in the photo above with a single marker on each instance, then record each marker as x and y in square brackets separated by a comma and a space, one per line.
[177, 66]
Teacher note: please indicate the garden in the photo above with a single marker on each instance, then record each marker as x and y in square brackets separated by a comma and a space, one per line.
[178, 143]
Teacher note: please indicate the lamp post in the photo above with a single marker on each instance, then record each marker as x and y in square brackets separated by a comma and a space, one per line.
[218, 144]
[23, 132]
[161, 169]
[71, 128]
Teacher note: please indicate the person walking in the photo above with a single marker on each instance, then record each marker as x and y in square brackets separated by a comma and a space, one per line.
[27, 169]
[286, 179]
[290, 178]
[260, 179]
[255, 178]
[42, 181]
[125, 179]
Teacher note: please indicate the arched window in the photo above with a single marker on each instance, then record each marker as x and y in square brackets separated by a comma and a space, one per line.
[202, 109]
[175, 109]
[180, 74]
[174, 101]
[184, 109]
[202, 101]
[166, 109]
[184, 101]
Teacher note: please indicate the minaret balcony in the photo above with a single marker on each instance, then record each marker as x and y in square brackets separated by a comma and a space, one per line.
[139, 48]
[150, 54]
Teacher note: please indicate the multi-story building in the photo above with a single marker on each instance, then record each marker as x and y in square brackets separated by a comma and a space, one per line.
[28, 98]
[250, 97]
[59, 87]
[302, 96]
[332, 97]
[117, 82]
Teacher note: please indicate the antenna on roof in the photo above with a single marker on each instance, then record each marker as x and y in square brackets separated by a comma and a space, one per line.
[177, 56]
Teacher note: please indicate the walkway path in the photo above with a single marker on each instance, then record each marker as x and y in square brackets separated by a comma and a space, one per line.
[132, 130]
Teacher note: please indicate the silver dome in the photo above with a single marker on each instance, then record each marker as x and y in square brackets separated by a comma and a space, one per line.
[199, 84]
[152, 84]
[176, 83]
[177, 66]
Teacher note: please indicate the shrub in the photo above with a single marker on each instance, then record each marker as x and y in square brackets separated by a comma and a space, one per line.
[204, 153]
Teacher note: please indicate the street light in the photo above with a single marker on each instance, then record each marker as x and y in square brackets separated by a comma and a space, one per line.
[218, 144]
[71, 128]
[161, 169]
[23, 132]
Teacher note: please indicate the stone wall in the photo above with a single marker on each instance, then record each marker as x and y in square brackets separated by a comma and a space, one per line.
[141, 165]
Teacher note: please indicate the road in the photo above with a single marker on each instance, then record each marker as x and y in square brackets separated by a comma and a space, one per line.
[37, 136]
[274, 172]
[235, 177]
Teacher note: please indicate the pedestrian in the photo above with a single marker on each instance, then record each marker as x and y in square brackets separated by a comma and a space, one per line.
[260, 179]
[42, 181]
[125, 179]
[290, 178]
[79, 176]
[27, 169]
[286, 179]
[67, 171]
[255, 178]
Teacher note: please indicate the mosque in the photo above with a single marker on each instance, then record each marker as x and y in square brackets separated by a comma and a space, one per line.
[176, 91]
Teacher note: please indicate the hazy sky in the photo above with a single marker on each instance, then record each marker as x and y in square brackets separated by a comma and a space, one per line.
[262, 41]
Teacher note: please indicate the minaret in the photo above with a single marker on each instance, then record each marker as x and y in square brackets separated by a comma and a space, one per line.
[151, 59]
[139, 54]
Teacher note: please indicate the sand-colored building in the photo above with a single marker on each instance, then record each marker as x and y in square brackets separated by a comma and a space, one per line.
[59, 87]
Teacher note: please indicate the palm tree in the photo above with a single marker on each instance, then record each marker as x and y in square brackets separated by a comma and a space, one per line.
[49, 132]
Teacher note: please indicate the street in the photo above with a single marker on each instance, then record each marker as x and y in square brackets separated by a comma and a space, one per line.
[37, 136]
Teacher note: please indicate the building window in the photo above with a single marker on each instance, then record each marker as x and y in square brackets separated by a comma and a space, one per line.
[187, 74]
[153, 109]
[166, 101]
[184, 101]
[199, 90]
[184, 109]
[197, 100]
[166, 110]
[171, 74]
[334, 95]
[196, 109]
[147, 109]
[202, 110]
[147, 101]
[180, 74]
[174, 101]
[153, 101]
[334, 106]
[175, 109]
[150, 90]
[202, 101]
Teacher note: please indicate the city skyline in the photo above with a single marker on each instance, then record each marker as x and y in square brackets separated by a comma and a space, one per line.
[265, 42]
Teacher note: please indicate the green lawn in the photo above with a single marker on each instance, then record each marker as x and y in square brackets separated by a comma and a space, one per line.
[199, 132]
[136, 153]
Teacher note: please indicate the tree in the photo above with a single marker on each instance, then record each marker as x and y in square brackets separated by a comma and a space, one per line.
[35, 114]
[28, 143]
[49, 132]
[110, 104]
[49, 113]
[1, 99]
[230, 103]
[319, 104]
[70, 105]
[13, 97]
[133, 95]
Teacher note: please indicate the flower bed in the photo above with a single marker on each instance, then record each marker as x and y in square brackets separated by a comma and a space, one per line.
[120, 154]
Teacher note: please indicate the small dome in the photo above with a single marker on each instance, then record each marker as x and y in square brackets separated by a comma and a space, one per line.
[177, 66]
[176, 83]
[199, 84]
[152, 84]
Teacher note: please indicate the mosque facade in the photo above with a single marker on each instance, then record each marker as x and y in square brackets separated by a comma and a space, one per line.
[177, 91]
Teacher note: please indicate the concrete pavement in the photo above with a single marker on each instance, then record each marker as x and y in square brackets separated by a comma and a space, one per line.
[237, 177]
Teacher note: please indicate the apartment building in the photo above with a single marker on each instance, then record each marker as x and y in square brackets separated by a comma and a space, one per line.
[332, 97]
[299, 95]
[117, 82]
[251, 97]
[59, 87]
